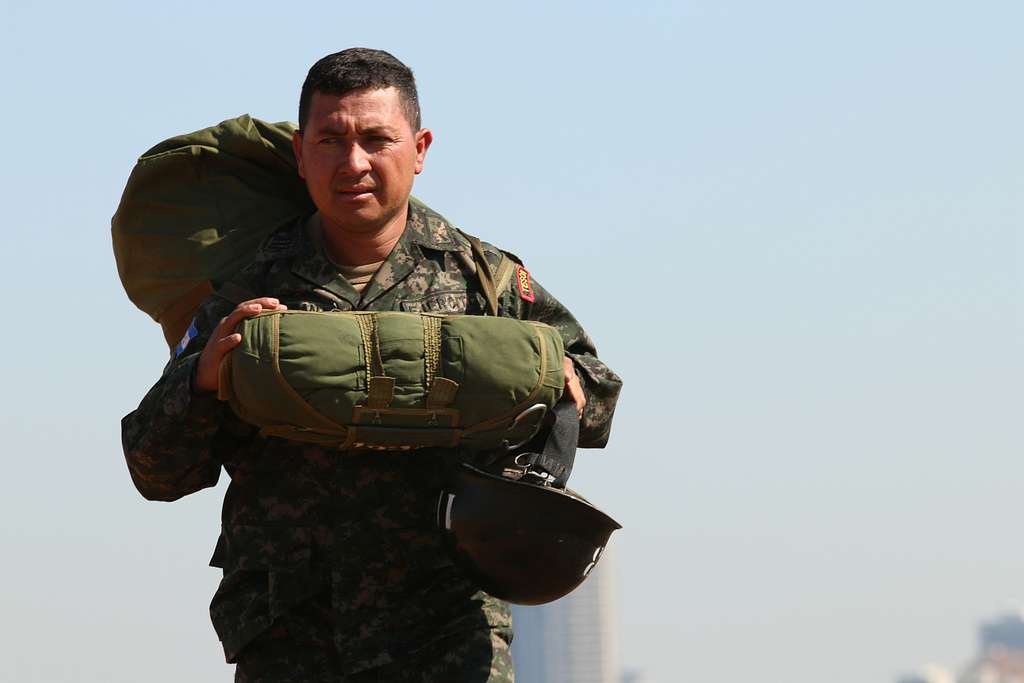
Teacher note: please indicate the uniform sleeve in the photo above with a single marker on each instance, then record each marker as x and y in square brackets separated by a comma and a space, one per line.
[170, 440]
[600, 385]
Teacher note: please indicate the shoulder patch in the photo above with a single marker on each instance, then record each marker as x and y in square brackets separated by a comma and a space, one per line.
[525, 286]
[190, 333]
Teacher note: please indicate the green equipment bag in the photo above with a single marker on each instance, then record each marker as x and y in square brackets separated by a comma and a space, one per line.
[394, 381]
[197, 206]
[194, 212]
[195, 209]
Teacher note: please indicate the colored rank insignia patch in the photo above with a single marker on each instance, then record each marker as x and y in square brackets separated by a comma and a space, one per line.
[189, 334]
[525, 286]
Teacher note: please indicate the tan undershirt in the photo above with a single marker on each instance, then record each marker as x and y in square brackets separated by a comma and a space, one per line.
[357, 276]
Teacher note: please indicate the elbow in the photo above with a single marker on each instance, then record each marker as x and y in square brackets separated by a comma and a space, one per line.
[163, 495]
[159, 495]
[155, 488]
[164, 480]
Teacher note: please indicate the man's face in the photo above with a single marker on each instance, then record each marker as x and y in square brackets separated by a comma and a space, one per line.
[358, 155]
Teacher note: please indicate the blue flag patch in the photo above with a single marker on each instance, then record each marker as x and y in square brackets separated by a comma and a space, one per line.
[189, 335]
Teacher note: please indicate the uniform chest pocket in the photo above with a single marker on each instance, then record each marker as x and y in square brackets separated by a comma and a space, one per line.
[453, 301]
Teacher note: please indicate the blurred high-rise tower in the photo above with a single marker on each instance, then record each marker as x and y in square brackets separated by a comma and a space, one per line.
[1000, 656]
[572, 640]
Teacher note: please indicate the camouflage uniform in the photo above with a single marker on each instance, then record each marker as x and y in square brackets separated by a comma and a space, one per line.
[333, 569]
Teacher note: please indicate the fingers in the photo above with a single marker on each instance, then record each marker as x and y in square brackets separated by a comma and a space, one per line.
[573, 386]
[225, 344]
[224, 338]
[576, 393]
[247, 309]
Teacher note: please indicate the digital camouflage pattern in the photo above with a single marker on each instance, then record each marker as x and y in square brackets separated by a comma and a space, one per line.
[298, 648]
[331, 559]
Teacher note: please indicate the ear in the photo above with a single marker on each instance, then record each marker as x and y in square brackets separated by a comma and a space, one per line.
[423, 139]
[297, 149]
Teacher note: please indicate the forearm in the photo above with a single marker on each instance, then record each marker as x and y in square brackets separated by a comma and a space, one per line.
[168, 440]
[600, 384]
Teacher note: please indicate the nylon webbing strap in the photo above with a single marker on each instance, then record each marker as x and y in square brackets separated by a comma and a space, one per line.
[558, 453]
[371, 345]
[483, 273]
[440, 390]
[503, 276]
[431, 347]
[381, 391]
[442, 393]
[380, 388]
[326, 436]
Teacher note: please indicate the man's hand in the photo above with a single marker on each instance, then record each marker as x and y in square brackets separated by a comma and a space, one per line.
[224, 338]
[573, 386]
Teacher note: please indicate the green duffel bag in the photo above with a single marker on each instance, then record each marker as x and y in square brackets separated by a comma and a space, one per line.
[197, 206]
[394, 381]
[195, 209]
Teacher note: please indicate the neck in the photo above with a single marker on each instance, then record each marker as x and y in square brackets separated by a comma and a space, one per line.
[355, 248]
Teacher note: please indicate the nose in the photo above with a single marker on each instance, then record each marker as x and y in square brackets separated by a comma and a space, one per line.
[356, 160]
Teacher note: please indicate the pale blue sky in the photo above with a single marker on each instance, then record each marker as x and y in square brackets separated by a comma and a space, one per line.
[792, 227]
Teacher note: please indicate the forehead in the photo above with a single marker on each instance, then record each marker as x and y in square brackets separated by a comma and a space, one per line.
[380, 107]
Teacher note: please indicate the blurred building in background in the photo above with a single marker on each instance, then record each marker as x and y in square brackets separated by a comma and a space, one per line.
[1000, 657]
[575, 639]
[928, 674]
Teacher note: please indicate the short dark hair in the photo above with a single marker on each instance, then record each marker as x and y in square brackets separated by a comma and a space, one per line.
[357, 68]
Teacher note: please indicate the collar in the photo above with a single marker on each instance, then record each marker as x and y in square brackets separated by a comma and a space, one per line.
[430, 229]
[424, 228]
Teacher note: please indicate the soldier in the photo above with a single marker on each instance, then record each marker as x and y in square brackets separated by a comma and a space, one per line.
[333, 569]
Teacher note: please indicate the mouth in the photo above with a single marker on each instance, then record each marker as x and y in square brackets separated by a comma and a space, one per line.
[355, 194]
[357, 190]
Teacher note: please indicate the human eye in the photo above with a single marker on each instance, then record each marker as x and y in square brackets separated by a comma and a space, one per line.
[378, 139]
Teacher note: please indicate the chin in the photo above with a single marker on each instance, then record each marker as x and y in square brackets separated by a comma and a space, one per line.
[355, 221]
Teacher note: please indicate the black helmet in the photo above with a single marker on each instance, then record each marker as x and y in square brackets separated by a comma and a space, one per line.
[521, 542]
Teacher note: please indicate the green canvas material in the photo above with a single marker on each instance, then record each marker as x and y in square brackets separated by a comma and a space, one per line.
[390, 380]
[195, 209]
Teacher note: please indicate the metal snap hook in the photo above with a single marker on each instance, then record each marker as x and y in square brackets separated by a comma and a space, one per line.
[537, 408]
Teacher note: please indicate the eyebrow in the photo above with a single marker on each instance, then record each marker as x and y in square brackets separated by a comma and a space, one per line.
[370, 130]
[386, 130]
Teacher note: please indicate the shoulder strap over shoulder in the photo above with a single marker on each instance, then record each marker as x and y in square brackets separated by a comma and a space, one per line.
[503, 275]
[492, 282]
